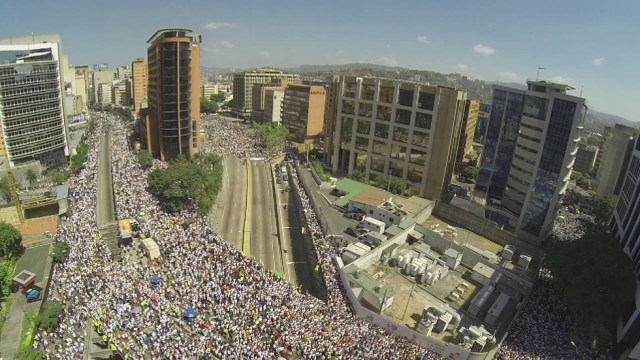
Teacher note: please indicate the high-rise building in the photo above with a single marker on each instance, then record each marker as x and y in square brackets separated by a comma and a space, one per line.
[303, 110]
[32, 118]
[140, 82]
[625, 228]
[123, 72]
[530, 146]
[243, 87]
[121, 92]
[82, 82]
[273, 106]
[172, 124]
[391, 128]
[100, 77]
[616, 153]
[468, 128]
[105, 95]
[483, 119]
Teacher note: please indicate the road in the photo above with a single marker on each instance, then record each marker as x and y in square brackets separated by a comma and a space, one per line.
[263, 234]
[105, 204]
[234, 205]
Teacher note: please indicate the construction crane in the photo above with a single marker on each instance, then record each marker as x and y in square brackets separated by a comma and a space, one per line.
[13, 190]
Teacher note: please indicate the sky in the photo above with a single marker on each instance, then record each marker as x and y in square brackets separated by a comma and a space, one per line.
[591, 45]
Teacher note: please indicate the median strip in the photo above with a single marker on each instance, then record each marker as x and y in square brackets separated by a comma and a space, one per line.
[247, 211]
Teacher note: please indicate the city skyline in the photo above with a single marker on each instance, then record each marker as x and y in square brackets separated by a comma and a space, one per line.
[576, 42]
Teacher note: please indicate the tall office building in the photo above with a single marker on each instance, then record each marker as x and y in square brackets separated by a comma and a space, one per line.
[140, 82]
[616, 153]
[123, 72]
[468, 128]
[31, 102]
[172, 124]
[82, 82]
[303, 110]
[625, 227]
[243, 87]
[402, 129]
[483, 120]
[530, 146]
[100, 77]
[273, 106]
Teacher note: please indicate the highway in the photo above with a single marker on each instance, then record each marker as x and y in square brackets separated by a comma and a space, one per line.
[262, 238]
[105, 206]
[235, 194]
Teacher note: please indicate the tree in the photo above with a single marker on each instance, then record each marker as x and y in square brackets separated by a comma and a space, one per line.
[358, 175]
[395, 186]
[5, 194]
[218, 98]
[582, 181]
[208, 106]
[471, 172]
[145, 159]
[10, 239]
[31, 176]
[604, 208]
[49, 317]
[59, 252]
[78, 160]
[596, 280]
[273, 137]
[28, 353]
[59, 177]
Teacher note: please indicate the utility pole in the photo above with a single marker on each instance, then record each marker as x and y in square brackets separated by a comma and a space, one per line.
[408, 301]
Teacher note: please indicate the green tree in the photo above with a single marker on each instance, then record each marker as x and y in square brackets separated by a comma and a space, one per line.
[145, 159]
[28, 353]
[395, 186]
[10, 239]
[59, 177]
[596, 280]
[358, 175]
[78, 160]
[471, 172]
[49, 317]
[582, 181]
[604, 208]
[218, 98]
[59, 252]
[208, 106]
[6, 278]
[273, 137]
[4, 189]
[31, 176]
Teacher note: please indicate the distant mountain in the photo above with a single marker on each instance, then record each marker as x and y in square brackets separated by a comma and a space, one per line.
[213, 69]
[352, 66]
[598, 117]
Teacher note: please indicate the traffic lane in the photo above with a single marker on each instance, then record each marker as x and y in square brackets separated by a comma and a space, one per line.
[235, 194]
[106, 206]
[275, 241]
[284, 231]
[261, 234]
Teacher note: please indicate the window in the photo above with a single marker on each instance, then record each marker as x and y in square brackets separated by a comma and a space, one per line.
[350, 89]
[414, 174]
[423, 120]
[386, 94]
[367, 92]
[348, 107]
[405, 97]
[362, 143]
[418, 157]
[535, 107]
[384, 113]
[400, 134]
[420, 139]
[426, 101]
[364, 127]
[381, 130]
[403, 117]
[377, 164]
[379, 147]
[399, 152]
[365, 110]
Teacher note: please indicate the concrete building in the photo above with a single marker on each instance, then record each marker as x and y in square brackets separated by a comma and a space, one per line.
[208, 89]
[585, 158]
[103, 76]
[468, 128]
[529, 151]
[243, 88]
[140, 83]
[616, 154]
[259, 99]
[403, 129]
[483, 120]
[123, 72]
[172, 124]
[303, 110]
[105, 95]
[625, 227]
[31, 102]
[82, 82]
[121, 92]
[273, 106]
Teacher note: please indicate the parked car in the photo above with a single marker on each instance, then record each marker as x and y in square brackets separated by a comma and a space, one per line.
[283, 169]
[351, 231]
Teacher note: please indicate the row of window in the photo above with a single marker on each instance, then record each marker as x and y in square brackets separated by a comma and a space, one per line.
[6, 93]
[37, 149]
[404, 117]
[31, 110]
[38, 119]
[38, 98]
[386, 94]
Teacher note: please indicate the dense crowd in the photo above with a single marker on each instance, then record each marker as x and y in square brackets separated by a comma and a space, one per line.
[543, 329]
[227, 136]
[570, 225]
[238, 309]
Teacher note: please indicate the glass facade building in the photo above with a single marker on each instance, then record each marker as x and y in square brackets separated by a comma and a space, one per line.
[530, 146]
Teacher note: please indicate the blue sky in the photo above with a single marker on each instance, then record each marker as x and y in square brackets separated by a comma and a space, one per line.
[583, 43]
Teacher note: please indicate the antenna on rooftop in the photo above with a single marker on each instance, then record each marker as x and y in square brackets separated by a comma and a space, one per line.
[538, 72]
[581, 88]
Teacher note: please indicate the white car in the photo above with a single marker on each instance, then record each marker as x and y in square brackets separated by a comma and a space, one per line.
[283, 169]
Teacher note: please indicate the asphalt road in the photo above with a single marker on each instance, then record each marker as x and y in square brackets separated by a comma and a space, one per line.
[234, 188]
[263, 239]
[105, 204]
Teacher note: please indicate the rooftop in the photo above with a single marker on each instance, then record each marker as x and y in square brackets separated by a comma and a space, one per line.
[549, 84]
[162, 32]
[350, 188]
[372, 197]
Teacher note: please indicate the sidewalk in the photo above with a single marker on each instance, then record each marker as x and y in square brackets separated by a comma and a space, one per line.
[31, 260]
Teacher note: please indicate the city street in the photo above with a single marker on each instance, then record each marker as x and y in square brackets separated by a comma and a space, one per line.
[234, 190]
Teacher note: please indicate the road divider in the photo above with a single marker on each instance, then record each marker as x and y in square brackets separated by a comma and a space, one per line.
[247, 211]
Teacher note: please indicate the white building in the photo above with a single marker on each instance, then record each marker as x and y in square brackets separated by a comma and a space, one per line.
[273, 106]
[31, 101]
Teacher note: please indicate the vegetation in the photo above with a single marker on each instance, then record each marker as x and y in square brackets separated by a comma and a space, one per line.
[317, 166]
[471, 172]
[28, 327]
[273, 137]
[59, 177]
[604, 208]
[28, 353]
[596, 280]
[59, 252]
[187, 182]
[358, 175]
[78, 160]
[6, 282]
[31, 176]
[218, 98]
[91, 126]
[394, 186]
[208, 106]
[582, 181]
[145, 159]
[10, 239]
[5, 194]
[49, 316]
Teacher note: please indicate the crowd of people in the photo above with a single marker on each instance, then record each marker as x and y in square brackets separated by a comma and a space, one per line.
[570, 225]
[543, 329]
[227, 136]
[204, 299]
[236, 308]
